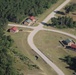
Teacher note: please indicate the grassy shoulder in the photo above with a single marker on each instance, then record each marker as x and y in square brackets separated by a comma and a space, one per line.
[49, 44]
[68, 30]
[20, 39]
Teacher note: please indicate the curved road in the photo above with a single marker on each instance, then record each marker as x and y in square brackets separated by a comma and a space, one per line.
[61, 32]
[38, 28]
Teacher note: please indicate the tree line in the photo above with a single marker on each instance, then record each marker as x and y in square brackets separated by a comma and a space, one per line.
[16, 10]
[71, 61]
[70, 8]
[6, 55]
[63, 22]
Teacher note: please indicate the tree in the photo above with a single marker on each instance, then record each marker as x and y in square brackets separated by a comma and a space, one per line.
[70, 8]
[71, 61]
[14, 10]
[62, 22]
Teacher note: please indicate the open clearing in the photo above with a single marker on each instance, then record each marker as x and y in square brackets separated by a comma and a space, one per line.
[20, 39]
[48, 43]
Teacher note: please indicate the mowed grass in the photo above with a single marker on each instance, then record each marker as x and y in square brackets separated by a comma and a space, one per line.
[68, 30]
[48, 43]
[20, 40]
[73, 1]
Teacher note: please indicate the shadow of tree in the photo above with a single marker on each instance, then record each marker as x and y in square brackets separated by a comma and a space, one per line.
[46, 24]
[71, 61]
[59, 12]
[74, 13]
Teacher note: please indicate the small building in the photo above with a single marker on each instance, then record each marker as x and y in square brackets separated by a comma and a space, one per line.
[14, 29]
[27, 21]
[32, 18]
[67, 42]
[73, 46]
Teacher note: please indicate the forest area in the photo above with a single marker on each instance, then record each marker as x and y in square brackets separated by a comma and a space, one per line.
[16, 10]
[63, 22]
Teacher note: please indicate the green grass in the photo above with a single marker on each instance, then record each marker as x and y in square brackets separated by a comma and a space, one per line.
[68, 30]
[20, 39]
[48, 43]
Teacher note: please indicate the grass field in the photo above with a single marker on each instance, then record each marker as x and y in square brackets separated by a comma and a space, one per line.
[48, 43]
[20, 39]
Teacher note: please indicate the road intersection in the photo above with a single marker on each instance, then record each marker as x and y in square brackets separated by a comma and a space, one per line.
[37, 29]
[40, 27]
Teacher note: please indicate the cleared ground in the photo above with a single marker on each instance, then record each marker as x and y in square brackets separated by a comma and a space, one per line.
[48, 43]
[20, 39]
